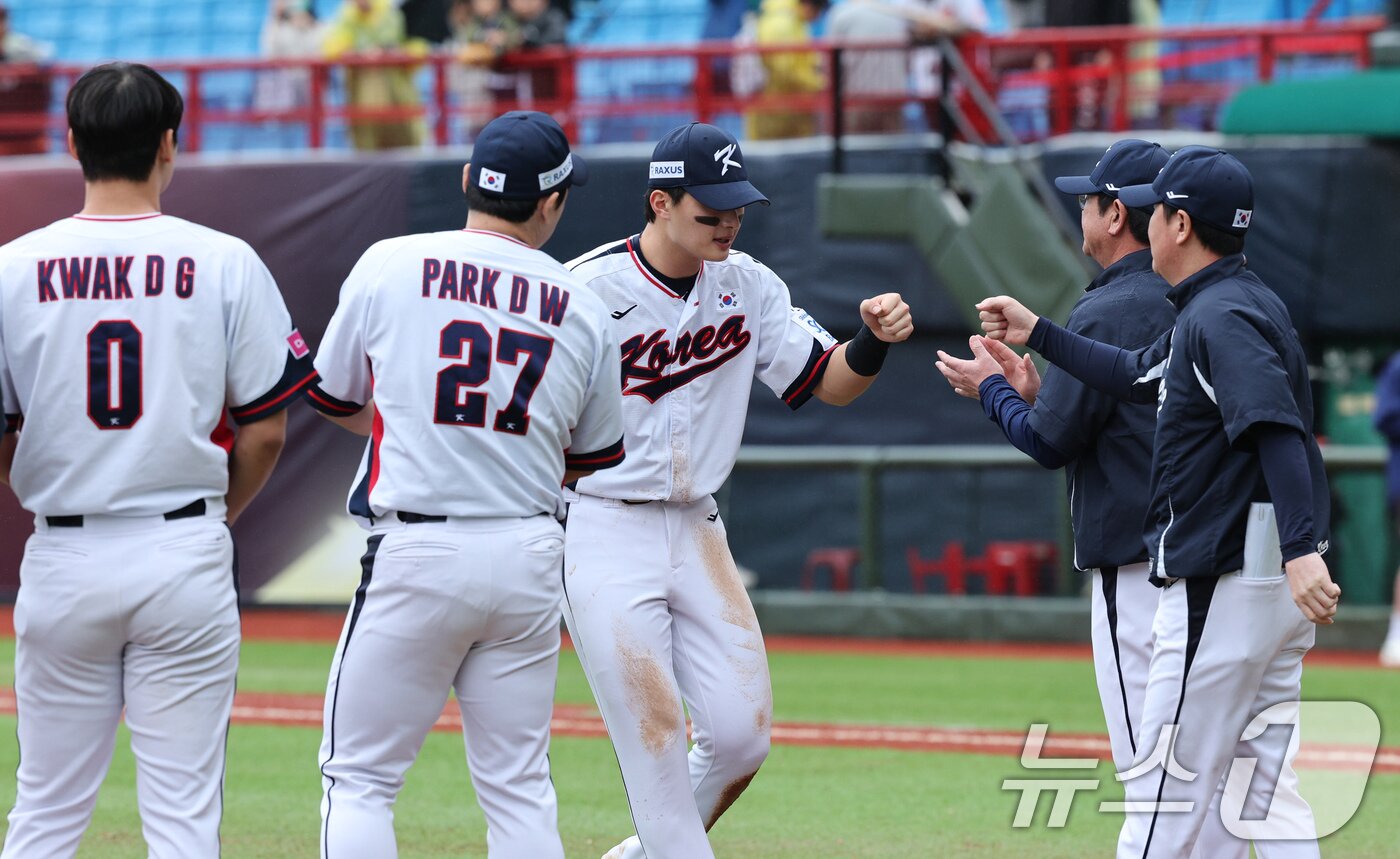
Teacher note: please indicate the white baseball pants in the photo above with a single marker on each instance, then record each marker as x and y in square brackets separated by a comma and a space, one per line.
[659, 616]
[465, 604]
[1225, 650]
[1123, 607]
[127, 612]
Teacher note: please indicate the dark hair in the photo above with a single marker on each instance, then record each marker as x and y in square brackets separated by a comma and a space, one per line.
[1137, 218]
[118, 113]
[515, 211]
[1215, 240]
[676, 194]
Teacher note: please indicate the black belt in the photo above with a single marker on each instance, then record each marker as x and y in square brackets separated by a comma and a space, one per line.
[414, 518]
[189, 511]
[634, 503]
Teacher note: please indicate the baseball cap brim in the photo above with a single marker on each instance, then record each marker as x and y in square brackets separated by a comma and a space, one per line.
[726, 196]
[1139, 196]
[1077, 185]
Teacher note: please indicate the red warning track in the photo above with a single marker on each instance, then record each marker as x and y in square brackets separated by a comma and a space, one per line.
[324, 626]
[305, 711]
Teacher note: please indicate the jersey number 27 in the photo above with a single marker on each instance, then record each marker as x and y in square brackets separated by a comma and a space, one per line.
[458, 405]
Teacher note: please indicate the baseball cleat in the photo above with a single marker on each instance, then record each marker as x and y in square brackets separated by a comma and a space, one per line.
[1390, 654]
[633, 844]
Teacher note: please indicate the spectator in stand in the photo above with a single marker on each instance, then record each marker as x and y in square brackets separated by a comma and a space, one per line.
[291, 32]
[482, 32]
[541, 26]
[787, 73]
[428, 20]
[871, 75]
[23, 93]
[1093, 93]
[16, 47]
[723, 21]
[1388, 423]
[373, 28]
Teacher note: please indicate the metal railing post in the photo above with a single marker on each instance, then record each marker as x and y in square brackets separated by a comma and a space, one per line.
[872, 565]
[838, 110]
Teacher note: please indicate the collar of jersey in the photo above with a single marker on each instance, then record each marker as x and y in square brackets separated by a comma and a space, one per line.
[143, 217]
[1133, 263]
[497, 235]
[1222, 269]
[676, 287]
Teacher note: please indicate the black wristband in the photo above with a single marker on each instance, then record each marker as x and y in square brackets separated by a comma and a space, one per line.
[865, 353]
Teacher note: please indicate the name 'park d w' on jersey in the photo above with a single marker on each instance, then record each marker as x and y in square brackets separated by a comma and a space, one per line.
[490, 368]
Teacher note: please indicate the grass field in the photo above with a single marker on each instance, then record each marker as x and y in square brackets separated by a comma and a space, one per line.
[807, 801]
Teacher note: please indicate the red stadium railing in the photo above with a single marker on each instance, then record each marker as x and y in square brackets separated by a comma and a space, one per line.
[1094, 78]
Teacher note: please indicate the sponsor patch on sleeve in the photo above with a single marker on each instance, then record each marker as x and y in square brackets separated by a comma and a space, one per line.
[297, 344]
[803, 318]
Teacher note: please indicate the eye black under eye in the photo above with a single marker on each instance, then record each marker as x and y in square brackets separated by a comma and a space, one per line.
[707, 220]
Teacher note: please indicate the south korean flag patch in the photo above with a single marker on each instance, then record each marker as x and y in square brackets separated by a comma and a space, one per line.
[1242, 217]
[727, 300]
[491, 180]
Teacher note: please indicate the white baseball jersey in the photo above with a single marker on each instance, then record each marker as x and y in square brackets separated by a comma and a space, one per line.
[483, 357]
[687, 366]
[155, 326]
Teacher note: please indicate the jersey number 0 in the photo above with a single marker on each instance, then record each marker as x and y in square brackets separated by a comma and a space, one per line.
[114, 374]
[460, 406]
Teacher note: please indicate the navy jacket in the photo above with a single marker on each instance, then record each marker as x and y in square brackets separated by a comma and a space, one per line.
[1232, 362]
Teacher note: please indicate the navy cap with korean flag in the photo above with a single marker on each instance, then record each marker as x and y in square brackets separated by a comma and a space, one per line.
[1210, 184]
[1126, 162]
[707, 163]
[524, 155]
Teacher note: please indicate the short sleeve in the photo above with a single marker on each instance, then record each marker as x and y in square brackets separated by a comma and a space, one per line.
[342, 361]
[1241, 370]
[596, 441]
[793, 348]
[269, 362]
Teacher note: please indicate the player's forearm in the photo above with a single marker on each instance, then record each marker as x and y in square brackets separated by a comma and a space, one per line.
[255, 451]
[360, 423]
[1283, 457]
[840, 385]
[570, 475]
[1005, 407]
[8, 442]
[1099, 365]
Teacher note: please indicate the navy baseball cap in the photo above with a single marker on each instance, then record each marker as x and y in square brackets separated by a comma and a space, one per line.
[1210, 184]
[1126, 162]
[707, 163]
[523, 155]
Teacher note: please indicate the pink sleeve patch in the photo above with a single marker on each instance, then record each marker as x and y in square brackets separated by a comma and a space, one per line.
[298, 344]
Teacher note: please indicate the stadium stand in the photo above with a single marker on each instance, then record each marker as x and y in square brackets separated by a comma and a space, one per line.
[87, 31]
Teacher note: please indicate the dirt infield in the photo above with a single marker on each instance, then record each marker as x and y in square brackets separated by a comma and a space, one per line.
[580, 721]
[324, 626]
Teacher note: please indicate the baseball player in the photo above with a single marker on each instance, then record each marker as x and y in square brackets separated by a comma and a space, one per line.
[494, 378]
[1387, 420]
[127, 338]
[1238, 516]
[652, 595]
[1105, 446]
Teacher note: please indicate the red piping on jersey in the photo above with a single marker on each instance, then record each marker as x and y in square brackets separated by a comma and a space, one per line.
[285, 394]
[816, 373]
[498, 235]
[223, 434]
[376, 436]
[117, 219]
[646, 274]
[339, 410]
[590, 460]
